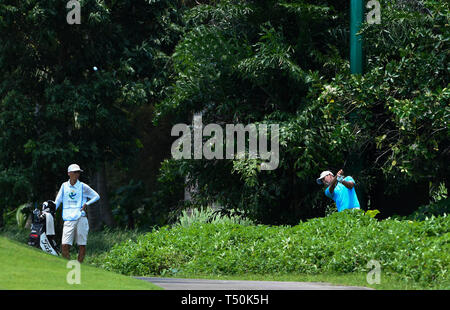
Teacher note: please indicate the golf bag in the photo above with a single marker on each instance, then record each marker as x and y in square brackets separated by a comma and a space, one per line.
[42, 233]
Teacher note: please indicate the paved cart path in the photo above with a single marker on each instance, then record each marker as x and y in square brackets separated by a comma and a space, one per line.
[201, 284]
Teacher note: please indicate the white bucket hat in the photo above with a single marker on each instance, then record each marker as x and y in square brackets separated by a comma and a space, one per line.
[322, 175]
[73, 168]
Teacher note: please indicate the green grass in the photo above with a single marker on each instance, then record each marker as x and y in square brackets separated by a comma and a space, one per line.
[25, 268]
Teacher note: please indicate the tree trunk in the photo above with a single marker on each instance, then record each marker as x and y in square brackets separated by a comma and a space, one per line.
[104, 207]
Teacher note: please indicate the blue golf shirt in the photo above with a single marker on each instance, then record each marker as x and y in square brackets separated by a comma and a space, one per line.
[345, 198]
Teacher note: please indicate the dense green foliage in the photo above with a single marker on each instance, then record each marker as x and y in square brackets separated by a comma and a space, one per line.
[342, 242]
[157, 62]
[55, 109]
[197, 216]
[258, 61]
[286, 62]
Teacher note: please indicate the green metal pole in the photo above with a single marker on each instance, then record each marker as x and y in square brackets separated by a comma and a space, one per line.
[356, 41]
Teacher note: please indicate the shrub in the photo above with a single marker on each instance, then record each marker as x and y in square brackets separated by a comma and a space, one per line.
[341, 242]
[208, 215]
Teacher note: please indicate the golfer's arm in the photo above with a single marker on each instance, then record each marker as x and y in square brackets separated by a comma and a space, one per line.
[348, 184]
[333, 185]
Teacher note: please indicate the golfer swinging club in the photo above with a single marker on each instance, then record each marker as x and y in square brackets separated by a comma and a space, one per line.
[340, 189]
[74, 195]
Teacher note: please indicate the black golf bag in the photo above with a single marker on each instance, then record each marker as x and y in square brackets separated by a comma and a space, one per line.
[42, 228]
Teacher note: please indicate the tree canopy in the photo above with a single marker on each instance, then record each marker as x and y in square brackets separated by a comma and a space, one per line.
[237, 62]
[286, 62]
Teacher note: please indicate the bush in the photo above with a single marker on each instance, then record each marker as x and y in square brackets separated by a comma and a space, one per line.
[341, 242]
[208, 215]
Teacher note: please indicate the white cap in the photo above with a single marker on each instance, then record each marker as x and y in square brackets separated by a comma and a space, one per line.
[74, 167]
[322, 175]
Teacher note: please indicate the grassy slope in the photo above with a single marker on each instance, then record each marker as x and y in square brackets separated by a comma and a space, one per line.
[26, 268]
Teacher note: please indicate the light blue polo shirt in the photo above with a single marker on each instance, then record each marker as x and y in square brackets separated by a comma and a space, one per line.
[345, 198]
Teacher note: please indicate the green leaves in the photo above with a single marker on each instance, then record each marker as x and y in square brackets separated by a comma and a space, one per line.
[342, 242]
[54, 108]
[372, 213]
[271, 54]
[238, 62]
[242, 62]
[21, 215]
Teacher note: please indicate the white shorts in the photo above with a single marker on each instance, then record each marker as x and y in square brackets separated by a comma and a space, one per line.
[78, 228]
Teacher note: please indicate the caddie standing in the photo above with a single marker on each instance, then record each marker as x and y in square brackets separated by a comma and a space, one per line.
[75, 197]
